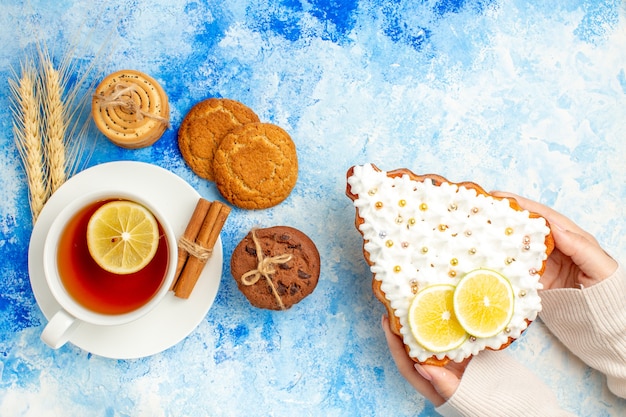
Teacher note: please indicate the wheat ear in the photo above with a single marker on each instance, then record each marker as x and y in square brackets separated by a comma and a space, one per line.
[27, 135]
[55, 124]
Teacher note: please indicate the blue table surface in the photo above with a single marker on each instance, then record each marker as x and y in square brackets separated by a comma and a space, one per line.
[524, 96]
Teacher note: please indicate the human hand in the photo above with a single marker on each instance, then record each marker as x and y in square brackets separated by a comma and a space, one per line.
[436, 383]
[577, 260]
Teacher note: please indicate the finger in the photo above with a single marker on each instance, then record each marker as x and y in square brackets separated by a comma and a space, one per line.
[592, 260]
[571, 240]
[406, 367]
[444, 380]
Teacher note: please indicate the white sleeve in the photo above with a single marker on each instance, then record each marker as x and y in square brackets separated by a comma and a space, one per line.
[591, 322]
[495, 384]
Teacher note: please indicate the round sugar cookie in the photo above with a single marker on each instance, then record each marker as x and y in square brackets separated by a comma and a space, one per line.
[289, 253]
[131, 109]
[256, 166]
[204, 127]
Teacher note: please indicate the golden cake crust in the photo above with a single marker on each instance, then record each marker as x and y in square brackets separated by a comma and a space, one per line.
[394, 321]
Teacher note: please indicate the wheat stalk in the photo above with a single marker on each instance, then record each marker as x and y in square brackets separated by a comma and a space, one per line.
[51, 122]
[27, 135]
[55, 122]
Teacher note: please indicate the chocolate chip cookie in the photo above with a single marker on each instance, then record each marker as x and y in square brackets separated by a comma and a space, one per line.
[275, 267]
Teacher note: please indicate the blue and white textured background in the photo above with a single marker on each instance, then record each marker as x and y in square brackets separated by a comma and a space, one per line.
[526, 96]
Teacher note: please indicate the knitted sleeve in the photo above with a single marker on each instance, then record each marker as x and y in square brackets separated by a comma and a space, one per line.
[591, 322]
[495, 384]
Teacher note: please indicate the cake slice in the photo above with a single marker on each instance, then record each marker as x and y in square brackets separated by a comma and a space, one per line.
[422, 230]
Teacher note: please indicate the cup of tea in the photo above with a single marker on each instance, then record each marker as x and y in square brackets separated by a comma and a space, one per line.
[89, 293]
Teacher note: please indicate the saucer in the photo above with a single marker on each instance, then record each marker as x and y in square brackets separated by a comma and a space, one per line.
[174, 318]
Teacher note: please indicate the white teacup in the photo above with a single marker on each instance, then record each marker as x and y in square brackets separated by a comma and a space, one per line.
[73, 311]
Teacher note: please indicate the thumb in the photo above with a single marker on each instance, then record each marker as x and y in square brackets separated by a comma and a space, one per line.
[443, 380]
[592, 260]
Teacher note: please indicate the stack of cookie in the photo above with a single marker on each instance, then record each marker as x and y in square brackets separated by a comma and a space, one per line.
[253, 164]
[131, 109]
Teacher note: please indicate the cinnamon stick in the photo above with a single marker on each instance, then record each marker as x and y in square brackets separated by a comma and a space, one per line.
[207, 237]
[190, 234]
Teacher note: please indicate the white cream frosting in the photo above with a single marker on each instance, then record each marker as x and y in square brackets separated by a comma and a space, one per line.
[420, 233]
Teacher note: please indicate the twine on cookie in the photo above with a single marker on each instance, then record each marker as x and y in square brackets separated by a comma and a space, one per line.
[265, 268]
[192, 248]
[121, 96]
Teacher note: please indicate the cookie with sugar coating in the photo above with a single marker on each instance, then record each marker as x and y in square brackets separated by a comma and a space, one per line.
[204, 127]
[256, 166]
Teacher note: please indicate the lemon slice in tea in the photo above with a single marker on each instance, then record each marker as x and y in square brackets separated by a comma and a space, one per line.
[483, 302]
[432, 320]
[122, 236]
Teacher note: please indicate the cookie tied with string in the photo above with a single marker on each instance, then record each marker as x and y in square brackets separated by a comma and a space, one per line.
[131, 109]
[275, 267]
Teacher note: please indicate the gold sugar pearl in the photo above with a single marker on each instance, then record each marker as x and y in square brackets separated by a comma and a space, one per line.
[509, 231]
[454, 262]
[405, 245]
[411, 221]
[378, 205]
[472, 338]
[526, 240]
[507, 330]
[509, 260]
[452, 207]
[522, 293]
[373, 191]
[389, 243]
[452, 273]
[414, 286]
[475, 210]
[402, 203]
[472, 251]
[442, 227]
[423, 207]
[397, 268]
[468, 233]
[424, 249]
[532, 271]
[526, 247]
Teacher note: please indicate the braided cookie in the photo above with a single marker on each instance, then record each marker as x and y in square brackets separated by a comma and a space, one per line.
[131, 109]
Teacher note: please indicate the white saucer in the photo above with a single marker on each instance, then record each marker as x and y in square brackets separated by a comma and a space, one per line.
[174, 318]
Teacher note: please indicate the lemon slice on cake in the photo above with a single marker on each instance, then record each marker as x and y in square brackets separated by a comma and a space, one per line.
[122, 236]
[432, 319]
[483, 302]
